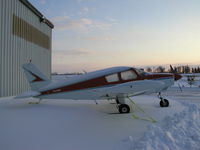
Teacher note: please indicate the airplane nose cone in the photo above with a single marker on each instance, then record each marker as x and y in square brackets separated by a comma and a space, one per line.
[177, 77]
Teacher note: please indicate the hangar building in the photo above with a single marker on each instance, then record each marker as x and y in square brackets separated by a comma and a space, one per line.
[25, 34]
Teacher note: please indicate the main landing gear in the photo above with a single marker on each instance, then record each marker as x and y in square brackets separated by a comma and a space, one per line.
[163, 102]
[122, 107]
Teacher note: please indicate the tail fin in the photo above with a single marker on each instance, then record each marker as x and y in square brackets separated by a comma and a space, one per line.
[35, 78]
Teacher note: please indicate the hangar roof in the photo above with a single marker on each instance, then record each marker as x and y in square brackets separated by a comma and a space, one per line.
[37, 13]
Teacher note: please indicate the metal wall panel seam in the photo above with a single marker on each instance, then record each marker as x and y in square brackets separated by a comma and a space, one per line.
[3, 47]
[13, 49]
[9, 90]
[1, 69]
[18, 47]
[8, 48]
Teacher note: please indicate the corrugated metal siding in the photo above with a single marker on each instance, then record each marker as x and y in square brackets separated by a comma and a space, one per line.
[15, 51]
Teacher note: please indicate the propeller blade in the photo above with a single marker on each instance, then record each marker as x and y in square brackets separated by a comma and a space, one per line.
[172, 69]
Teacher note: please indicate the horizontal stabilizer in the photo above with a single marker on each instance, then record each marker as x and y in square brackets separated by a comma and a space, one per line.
[28, 94]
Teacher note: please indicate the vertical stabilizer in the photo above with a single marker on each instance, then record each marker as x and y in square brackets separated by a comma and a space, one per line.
[35, 77]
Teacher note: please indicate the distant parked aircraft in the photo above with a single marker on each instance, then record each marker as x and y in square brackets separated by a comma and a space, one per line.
[113, 83]
[193, 79]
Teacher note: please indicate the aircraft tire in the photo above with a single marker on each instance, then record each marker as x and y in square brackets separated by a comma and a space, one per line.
[164, 103]
[124, 108]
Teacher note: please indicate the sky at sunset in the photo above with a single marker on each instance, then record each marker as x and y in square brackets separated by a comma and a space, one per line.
[95, 34]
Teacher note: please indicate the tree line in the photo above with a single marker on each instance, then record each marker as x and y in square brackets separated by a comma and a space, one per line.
[176, 69]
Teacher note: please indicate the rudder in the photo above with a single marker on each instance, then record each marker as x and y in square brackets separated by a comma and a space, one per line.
[34, 76]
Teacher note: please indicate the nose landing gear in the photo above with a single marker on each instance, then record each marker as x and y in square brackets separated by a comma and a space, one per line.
[163, 102]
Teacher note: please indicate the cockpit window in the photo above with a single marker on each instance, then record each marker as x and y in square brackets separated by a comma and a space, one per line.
[141, 72]
[112, 78]
[128, 75]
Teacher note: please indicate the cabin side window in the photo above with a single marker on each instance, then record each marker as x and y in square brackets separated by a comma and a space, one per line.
[112, 78]
[128, 75]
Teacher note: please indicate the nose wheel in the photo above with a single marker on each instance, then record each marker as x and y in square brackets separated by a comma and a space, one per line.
[163, 102]
[123, 108]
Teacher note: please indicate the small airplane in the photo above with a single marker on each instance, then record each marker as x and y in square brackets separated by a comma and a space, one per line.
[116, 83]
[192, 79]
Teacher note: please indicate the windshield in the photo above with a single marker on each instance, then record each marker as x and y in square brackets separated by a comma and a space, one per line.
[141, 72]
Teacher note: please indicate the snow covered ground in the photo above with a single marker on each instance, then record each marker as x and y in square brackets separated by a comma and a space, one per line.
[178, 132]
[82, 125]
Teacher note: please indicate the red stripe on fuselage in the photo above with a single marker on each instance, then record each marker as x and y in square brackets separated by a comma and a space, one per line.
[36, 77]
[101, 81]
[157, 76]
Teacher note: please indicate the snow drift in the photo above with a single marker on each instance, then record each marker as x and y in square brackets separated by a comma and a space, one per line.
[178, 132]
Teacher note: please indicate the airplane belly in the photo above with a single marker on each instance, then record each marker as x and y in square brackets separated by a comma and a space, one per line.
[75, 95]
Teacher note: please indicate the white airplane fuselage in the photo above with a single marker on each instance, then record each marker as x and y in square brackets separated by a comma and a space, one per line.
[131, 88]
